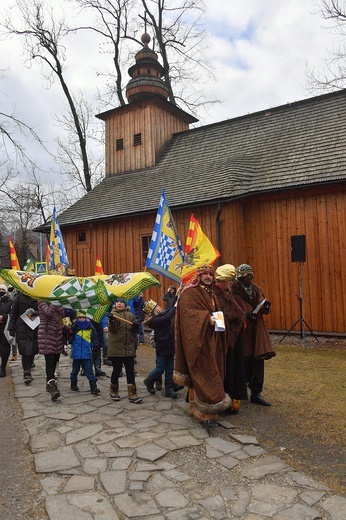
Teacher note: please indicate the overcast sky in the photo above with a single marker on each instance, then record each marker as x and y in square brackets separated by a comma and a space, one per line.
[259, 50]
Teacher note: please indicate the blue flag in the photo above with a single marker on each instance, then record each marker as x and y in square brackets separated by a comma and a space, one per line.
[165, 253]
[58, 260]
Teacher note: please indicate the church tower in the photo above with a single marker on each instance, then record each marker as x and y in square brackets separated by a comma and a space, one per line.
[136, 134]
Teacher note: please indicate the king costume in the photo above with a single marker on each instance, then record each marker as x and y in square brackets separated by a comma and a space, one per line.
[200, 358]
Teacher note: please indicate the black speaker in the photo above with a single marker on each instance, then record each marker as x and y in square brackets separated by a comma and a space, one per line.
[298, 248]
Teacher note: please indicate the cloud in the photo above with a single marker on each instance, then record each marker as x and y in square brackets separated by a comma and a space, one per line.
[258, 49]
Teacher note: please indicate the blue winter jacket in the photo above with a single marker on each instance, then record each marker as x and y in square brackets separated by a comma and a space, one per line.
[84, 340]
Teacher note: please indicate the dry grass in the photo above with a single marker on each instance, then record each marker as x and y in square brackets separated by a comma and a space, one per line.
[310, 384]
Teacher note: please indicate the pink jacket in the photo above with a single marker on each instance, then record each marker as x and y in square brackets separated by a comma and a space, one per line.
[50, 336]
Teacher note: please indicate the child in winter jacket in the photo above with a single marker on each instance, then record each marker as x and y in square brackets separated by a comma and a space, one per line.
[161, 323]
[84, 339]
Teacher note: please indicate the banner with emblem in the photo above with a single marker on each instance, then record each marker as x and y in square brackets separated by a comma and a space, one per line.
[165, 253]
[198, 250]
[91, 294]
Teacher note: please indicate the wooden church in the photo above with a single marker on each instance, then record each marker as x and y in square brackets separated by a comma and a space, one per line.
[268, 189]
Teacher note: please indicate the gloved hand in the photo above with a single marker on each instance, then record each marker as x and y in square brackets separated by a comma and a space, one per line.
[251, 316]
[12, 332]
[266, 307]
[110, 317]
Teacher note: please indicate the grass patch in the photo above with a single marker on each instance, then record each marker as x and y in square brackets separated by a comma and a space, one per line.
[309, 385]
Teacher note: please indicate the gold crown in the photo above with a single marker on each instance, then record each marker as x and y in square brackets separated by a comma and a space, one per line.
[205, 267]
[149, 307]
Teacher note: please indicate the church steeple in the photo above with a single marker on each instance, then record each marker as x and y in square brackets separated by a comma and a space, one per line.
[146, 75]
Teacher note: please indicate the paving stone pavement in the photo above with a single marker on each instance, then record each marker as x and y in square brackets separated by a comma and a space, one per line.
[107, 460]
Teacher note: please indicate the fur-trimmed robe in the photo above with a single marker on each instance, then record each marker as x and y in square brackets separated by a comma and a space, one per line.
[256, 340]
[200, 352]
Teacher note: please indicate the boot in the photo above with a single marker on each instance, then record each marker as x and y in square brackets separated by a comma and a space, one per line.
[259, 399]
[74, 386]
[2, 371]
[14, 357]
[132, 393]
[27, 377]
[169, 391]
[149, 383]
[53, 388]
[177, 387]
[235, 406]
[158, 385]
[98, 370]
[114, 391]
[93, 387]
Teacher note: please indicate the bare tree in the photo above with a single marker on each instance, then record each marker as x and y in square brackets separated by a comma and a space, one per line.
[43, 36]
[177, 30]
[333, 75]
[69, 153]
[111, 23]
[12, 130]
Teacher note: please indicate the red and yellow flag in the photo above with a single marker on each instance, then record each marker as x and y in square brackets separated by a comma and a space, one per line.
[198, 250]
[98, 267]
[47, 252]
[14, 258]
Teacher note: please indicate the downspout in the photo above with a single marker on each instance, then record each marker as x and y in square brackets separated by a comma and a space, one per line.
[217, 225]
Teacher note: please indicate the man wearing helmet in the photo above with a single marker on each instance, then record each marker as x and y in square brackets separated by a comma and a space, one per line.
[256, 340]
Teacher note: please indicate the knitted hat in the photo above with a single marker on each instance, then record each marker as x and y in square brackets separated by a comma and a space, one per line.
[149, 307]
[225, 272]
[3, 288]
[121, 300]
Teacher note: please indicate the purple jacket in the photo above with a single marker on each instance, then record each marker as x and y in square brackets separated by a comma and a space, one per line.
[50, 337]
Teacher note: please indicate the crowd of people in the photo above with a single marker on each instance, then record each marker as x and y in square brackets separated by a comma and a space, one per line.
[210, 338]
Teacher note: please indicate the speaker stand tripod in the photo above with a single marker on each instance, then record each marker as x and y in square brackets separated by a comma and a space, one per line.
[300, 320]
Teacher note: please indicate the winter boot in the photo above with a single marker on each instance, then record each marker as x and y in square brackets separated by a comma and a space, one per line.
[169, 391]
[27, 377]
[132, 393]
[53, 388]
[149, 383]
[235, 406]
[74, 386]
[93, 387]
[177, 387]
[158, 385]
[114, 391]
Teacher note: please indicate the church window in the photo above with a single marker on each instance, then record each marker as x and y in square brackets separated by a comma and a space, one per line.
[137, 139]
[81, 237]
[119, 144]
[145, 248]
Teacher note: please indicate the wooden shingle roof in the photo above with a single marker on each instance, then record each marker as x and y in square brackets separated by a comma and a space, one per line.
[290, 146]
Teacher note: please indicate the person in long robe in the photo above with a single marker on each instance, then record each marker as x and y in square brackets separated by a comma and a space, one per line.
[234, 316]
[256, 340]
[200, 350]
